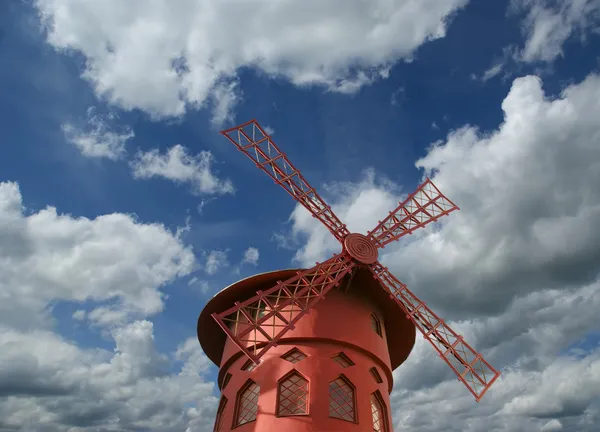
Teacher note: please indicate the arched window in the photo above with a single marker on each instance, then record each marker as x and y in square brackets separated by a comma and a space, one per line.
[378, 413]
[292, 395]
[220, 415]
[376, 324]
[247, 403]
[294, 356]
[341, 399]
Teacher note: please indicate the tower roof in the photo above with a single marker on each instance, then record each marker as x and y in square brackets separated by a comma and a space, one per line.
[400, 330]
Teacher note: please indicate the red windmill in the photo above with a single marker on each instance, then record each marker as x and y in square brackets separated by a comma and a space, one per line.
[267, 325]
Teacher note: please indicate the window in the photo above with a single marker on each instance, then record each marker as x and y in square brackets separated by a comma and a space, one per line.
[247, 403]
[341, 400]
[375, 375]
[220, 415]
[294, 356]
[293, 395]
[248, 366]
[376, 325]
[225, 381]
[378, 413]
[343, 360]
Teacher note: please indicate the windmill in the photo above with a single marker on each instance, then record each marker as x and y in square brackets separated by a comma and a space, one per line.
[260, 323]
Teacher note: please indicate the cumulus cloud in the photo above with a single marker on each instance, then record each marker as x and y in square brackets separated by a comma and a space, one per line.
[515, 270]
[99, 137]
[50, 256]
[179, 166]
[55, 385]
[115, 266]
[215, 261]
[251, 256]
[166, 58]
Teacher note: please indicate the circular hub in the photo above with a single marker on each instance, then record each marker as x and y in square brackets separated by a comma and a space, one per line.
[360, 248]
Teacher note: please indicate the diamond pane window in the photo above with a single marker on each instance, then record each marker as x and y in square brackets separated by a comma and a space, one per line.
[220, 415]
[225, 381]
[248, 366]
[247, 403]
[376, 375]
[294, 356]
[293, 395]
[378, 413]
[343, 360]
[376, 324]
[341, 400]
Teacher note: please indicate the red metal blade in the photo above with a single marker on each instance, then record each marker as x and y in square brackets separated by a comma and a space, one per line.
[257, 324]
[472, 370]
[254, 142]
[425, 205]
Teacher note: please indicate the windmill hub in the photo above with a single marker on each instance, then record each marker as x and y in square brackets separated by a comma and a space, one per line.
[361, 248]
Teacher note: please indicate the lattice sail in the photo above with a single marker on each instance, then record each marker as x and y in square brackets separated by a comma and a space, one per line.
[258, 323]
[254, 142]
[470, 367]
[427, 204]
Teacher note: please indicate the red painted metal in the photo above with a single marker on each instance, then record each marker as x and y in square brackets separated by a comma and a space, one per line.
[272, 313]
[339, 324]
[361, 248]
[260, 322]
[426, 204]
[254, 142]
[472, 370]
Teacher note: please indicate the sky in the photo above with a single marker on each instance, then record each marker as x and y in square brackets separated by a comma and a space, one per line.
[123, 210]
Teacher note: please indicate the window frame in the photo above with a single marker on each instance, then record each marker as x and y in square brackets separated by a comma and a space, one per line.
[238, 398]
[220, 418]
[344, 357]
[376, 325]
[354, 407]
[277, 402]
[384, 412]
[293, 351]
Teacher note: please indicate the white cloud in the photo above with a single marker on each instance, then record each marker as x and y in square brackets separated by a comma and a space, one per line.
[48, 256]
[177, 165]
[515, 270]
[164, 58]
[79, 315]
[215, 261]
[98, 139]
[117, 265]
[552, 425]
[55, 385]
[360, 205]
[548, 24]
[251, 256]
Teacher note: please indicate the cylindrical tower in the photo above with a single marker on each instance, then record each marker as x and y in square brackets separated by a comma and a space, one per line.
[332, 372]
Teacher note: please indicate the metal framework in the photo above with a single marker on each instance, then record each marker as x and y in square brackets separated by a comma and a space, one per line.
[292, 395]
[378, 413]
[247, 404]
[342, 400]
[258, 323]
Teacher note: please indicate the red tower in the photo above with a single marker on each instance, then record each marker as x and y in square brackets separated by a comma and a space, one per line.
[314, 350]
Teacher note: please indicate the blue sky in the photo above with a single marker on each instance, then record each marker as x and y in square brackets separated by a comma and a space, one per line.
[364, 147]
